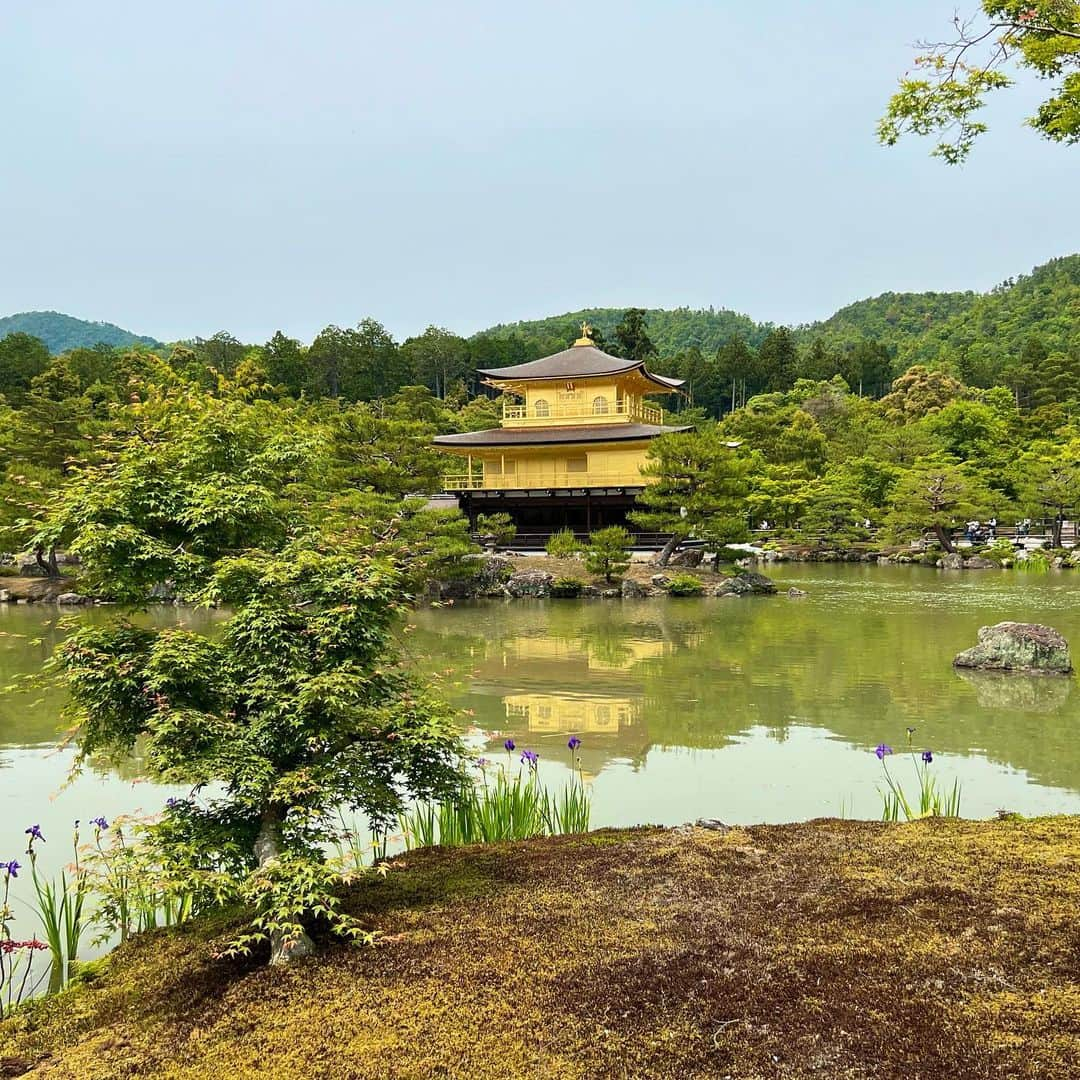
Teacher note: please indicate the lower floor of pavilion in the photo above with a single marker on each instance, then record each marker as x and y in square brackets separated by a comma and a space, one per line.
[539, 513]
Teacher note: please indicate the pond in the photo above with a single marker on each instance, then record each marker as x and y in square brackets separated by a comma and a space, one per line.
[746, 710]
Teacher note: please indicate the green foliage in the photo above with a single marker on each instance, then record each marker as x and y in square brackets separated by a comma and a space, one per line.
[567, 588]
[298, 705]
[563, 544]
[956, 75]
[608, 552]
[496, 528]
[21, 358]
[700, 488]
[631, 336]
[685, 585]
[936, 496]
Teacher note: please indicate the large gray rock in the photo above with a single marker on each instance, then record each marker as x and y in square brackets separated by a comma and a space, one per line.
[632, 590]
[952, 561]
[525, 583]
[1013, 646]
[749, 584]
[687, 557]
[69, 599]
[977, 562]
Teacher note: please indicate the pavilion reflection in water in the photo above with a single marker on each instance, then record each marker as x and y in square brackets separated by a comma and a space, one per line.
[528, 672]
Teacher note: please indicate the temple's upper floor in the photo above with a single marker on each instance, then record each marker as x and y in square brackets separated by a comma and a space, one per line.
[579, 385]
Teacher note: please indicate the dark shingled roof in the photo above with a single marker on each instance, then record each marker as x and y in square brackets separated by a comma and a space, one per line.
[579, 361]
[549, 435]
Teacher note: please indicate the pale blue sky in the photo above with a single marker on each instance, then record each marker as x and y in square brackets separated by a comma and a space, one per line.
[260, 164]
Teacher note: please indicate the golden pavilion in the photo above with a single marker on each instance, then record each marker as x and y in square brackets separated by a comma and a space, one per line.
[569, 452]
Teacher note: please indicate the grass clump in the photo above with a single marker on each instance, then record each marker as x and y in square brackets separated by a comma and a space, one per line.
[685, 585]
[497, 806]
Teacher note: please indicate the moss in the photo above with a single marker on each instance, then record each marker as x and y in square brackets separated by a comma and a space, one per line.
[826, 949]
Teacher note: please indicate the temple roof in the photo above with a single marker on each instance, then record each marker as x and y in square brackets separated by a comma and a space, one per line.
[552, 435]
[577, 362]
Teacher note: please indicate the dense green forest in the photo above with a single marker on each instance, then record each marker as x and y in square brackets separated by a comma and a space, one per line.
[1023, 335]
[976, 397]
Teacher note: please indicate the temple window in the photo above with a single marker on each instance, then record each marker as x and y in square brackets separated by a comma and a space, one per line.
[599, 405]
[542, 408]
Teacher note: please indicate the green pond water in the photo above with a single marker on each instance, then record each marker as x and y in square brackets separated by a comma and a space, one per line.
[747, 710]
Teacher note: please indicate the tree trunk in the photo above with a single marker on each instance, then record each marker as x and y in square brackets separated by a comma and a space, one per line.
[50, 567]
[268, 848]
[945, 538]
[1055, 534]
[668, 550]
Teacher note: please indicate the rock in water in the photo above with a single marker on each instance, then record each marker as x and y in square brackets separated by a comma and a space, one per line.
[744, 585]
[1013, 646]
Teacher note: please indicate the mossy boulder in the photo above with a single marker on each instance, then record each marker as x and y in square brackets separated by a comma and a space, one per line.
[1013, 646]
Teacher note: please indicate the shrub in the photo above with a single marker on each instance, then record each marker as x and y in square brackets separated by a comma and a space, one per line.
[563, 544]
[727, 554]
[500, 528]
[567, 588]
[9, 570]
[999, 550]
[685, 585]
[608, 552]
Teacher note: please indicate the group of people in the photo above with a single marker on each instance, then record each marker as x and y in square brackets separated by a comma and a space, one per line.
[978, 533]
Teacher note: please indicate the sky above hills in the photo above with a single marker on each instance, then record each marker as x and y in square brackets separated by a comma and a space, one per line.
[263, 164]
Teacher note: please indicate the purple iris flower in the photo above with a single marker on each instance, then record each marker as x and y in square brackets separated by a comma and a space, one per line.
[509, 745]
[481, 762]
[530, 757]
[927, 757]
[99, 822]
[170, 802]
[11, 867]
[882, 749]
[34, 832]
[574, 742]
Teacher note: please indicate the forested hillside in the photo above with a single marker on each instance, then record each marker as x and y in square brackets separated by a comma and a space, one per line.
[670, 330]
[61, 333]
[1023, 335]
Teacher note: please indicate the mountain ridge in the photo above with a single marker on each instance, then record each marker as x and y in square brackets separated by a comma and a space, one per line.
[62, 333]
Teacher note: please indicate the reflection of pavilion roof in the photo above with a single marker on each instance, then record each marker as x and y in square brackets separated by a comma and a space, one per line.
[578, 362]
[537, 436]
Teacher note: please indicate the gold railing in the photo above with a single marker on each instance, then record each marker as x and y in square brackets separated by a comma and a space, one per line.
[503, 482]
[645, 413]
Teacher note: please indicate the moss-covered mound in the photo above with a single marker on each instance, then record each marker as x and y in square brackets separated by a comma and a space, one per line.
[828, 949]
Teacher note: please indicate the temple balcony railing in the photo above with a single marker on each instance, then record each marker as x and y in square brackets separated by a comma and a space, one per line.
[613, 411]
[512, 482]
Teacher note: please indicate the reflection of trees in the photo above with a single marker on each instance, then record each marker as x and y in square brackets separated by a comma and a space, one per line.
[30, 635]
[707, 671]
